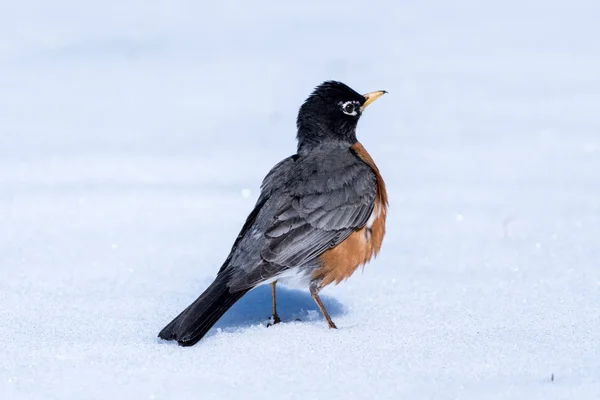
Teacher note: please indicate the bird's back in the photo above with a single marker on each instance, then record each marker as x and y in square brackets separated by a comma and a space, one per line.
[309, 204]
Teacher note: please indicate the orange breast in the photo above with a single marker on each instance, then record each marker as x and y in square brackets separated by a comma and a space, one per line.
[339, 263]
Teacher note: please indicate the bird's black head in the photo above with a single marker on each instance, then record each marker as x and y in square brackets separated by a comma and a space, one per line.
[330, 114]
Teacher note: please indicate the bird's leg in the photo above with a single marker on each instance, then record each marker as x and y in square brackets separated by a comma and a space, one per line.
[276, 318]
[314, 292]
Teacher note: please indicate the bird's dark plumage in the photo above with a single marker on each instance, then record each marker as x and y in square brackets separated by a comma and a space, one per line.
[327, 194]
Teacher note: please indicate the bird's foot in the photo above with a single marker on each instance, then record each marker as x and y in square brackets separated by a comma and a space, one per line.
[274, 320]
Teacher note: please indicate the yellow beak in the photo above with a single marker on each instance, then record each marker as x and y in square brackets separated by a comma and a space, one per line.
[371, 97]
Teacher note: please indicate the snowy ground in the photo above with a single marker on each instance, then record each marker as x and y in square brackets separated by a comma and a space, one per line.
[134, 136]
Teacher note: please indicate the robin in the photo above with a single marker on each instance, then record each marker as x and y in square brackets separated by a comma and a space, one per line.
[320, 215]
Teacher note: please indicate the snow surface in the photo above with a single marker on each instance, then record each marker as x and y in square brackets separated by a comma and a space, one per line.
[133, 139]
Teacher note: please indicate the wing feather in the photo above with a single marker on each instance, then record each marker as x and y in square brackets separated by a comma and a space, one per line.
[311, 204]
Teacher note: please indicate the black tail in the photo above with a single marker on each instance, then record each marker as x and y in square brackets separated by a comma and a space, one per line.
[193, 323]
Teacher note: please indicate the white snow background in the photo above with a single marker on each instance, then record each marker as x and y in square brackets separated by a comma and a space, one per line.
[134, 136]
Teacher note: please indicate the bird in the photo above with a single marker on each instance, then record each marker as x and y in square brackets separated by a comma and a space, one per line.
[321, 214]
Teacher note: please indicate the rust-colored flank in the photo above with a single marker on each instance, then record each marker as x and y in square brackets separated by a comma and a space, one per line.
[340, 262]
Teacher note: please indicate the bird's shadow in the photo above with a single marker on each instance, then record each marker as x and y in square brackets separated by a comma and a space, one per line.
[255, 307]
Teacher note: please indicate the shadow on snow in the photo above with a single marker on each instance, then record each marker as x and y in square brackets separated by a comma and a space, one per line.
[255, 307]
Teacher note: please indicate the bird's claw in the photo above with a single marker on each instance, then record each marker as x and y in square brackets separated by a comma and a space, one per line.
[273, 320]
[276, 320]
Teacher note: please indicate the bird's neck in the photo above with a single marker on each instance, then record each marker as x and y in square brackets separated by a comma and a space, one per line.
[315, 137]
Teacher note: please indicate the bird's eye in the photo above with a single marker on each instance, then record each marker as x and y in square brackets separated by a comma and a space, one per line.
[349, 108]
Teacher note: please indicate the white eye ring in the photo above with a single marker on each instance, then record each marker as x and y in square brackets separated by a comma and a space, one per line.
[349, 108]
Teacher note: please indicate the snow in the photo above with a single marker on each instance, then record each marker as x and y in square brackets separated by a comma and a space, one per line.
[133, 139]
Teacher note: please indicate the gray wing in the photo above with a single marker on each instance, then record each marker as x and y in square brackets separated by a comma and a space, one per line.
[323, 210]
[312, 206]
